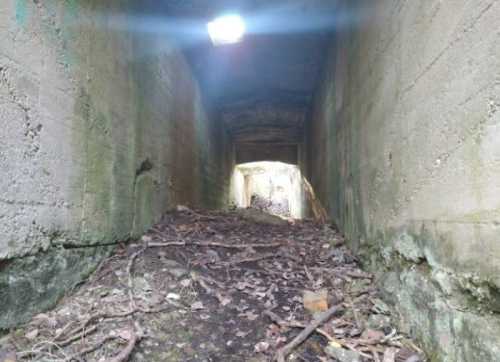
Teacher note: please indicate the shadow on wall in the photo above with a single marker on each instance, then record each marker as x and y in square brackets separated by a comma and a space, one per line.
[277, 188]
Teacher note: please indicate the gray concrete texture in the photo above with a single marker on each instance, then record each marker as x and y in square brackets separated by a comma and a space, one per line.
[405, 153]
[102, 130]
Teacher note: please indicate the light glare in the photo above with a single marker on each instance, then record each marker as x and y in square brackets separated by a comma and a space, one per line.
[227, 29]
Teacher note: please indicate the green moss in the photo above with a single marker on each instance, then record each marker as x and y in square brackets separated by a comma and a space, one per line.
[143, 196]
[21, 11]
[33, 284]
[72, 9]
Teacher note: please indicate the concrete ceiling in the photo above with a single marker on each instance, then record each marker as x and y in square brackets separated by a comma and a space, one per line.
[279, 61]
[263, 86]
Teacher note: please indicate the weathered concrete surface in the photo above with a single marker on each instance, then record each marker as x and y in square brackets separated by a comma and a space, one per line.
[255, 152]
[34, 283]
[103, 129]
[406, 158]
[265, 131]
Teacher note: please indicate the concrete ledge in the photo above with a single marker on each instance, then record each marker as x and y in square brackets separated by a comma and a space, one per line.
[34, 284]
[448, 334]
[455, 315]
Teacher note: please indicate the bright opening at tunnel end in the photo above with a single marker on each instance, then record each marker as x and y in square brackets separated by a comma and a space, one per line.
[227, 29]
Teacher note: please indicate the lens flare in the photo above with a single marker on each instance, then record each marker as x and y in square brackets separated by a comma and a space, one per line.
[227, 29]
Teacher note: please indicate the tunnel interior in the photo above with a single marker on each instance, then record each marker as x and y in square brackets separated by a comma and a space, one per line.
[382, 116]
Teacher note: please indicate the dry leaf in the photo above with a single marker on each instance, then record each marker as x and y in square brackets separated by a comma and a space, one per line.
[197, 306]
[390, 354]
[372, 335]
[316, 302]
[261, 347]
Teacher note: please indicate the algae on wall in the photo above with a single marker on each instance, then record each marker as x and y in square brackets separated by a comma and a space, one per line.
[105, 129]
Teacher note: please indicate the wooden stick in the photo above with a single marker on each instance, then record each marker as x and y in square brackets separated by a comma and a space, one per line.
[91, 349]
[282, 323]
[84, 333]
[130, 267]
[297, 341]
[215, 245]
[125, 353]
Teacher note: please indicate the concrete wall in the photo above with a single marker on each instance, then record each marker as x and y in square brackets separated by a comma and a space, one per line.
[103, 128]
[405, 152]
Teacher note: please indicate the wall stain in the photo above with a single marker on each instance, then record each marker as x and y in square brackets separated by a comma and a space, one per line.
[21, 11]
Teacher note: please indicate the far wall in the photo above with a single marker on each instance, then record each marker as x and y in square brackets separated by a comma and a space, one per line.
[269, 180]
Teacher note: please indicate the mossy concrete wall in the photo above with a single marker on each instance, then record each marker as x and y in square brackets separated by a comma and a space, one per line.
[404, 150]
[103, 128]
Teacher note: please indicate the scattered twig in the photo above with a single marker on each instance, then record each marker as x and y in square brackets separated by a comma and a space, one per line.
[358, 275]
[389, 337]
[39, 350]
[252, 260]
[164, 245]
[282, 323]
[92, 348]
[215, 245]
[77, 336]
[322, 318]
[276, 319]
[130, 267]
[125, 353]
[354, 311]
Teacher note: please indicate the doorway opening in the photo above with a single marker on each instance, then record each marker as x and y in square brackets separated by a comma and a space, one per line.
[273, 187]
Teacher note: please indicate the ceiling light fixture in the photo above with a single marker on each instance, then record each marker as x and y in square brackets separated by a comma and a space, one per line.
[227, 29]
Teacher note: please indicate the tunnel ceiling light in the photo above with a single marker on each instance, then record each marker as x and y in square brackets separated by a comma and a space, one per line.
[227, 29]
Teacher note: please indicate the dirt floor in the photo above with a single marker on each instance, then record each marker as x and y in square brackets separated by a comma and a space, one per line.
[221, 286]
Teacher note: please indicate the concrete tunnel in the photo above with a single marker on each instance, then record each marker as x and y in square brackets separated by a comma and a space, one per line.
[114, 112]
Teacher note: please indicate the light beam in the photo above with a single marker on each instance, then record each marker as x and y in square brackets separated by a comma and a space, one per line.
[227, 29]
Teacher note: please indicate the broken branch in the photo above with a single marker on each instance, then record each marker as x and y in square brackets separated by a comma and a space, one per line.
[322, 318]
[125, 353]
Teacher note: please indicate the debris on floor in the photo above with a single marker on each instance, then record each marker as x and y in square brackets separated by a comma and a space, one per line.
[220, 286]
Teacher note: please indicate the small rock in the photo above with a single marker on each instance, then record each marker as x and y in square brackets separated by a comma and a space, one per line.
[372, 335]
[142, 284]
[173, 296]
[224, 300]
[378, 321]
[250, 315]
[182, 208]
[261, 217]
[261, 347]
[342, 355]
[242, 334]
[390, 355]
[178, 272]
[31, 335]
[197, 306]
[7, 356]
[316, 302]
[169, 263]
[185, 283]
[380, 307]
[414, 358]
